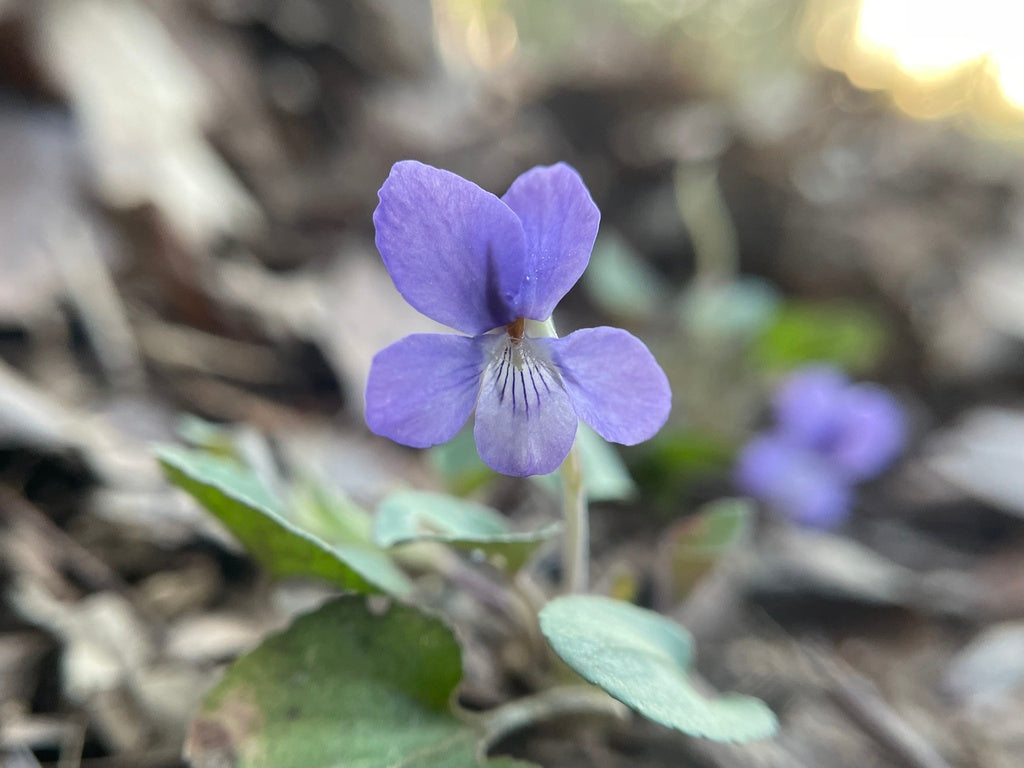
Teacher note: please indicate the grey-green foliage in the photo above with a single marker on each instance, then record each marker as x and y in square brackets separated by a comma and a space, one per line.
[238, 498]
[409, 516]
[343, 687]
[604, 474]
[641, 658]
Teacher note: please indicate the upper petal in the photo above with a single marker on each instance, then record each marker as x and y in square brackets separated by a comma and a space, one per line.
[560, 221]
[525, 424]
[872, 431]
[421, 389]
[455, 252]
[614, 382]
[807, 405]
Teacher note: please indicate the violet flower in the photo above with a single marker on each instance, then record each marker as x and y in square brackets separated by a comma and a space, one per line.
[829, 434]
[793, 481]
[486, 267]
[859, 428]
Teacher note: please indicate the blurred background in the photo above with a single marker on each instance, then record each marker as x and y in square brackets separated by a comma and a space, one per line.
[186, 253]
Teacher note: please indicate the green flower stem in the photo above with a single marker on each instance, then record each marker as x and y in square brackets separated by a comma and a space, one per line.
[576, 539]
[554, 702]
[706, 217]
[507, 601]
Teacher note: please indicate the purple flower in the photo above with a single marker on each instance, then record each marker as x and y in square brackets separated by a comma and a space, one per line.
[829, 434]
[485, 266]
[859, 428]
[793, 481]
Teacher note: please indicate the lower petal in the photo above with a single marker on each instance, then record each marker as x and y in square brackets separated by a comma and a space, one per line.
[422, 388]
[614, 382]
[525, 423]
[793, 480]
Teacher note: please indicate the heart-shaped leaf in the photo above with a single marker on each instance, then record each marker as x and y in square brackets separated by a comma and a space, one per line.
[408, 516]
[342, 687]
[256, 518]
[641, 658]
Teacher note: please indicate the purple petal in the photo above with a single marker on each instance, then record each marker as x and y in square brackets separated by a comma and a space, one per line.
[793, 481]
[525, 423]
[455, 252]
[762, 465]
[815, 498]
[872, 431]
[421, 389]
[615, 384]
[560, 221]
[806, 405]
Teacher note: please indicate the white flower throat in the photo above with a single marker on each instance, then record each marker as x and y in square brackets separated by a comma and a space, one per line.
[521, 371]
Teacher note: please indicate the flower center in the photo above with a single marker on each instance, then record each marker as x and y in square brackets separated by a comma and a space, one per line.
[517, 329]
[520, 373]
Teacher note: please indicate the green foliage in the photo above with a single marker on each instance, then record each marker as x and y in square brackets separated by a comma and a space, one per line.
[604, 474]
[848, 335]
[620, 281]
[206, 435]
[257, 519]
[691, 547]
[676, 459]
[342, 687]
[734, 311]
[459, 464]
[328, 515]
[641, 658]
[409, 516]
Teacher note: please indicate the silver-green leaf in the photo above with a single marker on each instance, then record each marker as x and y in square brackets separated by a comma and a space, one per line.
[641, 658]
[257, 519]
[409, 516]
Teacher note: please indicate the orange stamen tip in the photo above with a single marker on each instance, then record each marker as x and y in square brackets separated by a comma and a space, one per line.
[517, 329]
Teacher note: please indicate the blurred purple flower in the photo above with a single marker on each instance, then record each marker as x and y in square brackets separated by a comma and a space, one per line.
[859, 427]
[484, 265]
[829, 434]
[793, 480]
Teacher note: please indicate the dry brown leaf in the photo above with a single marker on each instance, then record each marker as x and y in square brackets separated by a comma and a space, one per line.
[143, 109]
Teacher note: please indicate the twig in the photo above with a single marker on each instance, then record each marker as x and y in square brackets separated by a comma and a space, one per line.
[182, 347]
[61, 550]
[860, 700]
[91, 288]
[755, 754]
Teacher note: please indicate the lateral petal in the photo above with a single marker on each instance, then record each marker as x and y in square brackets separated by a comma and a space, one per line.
[455, 252]
[614, 382]
[422, 388]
